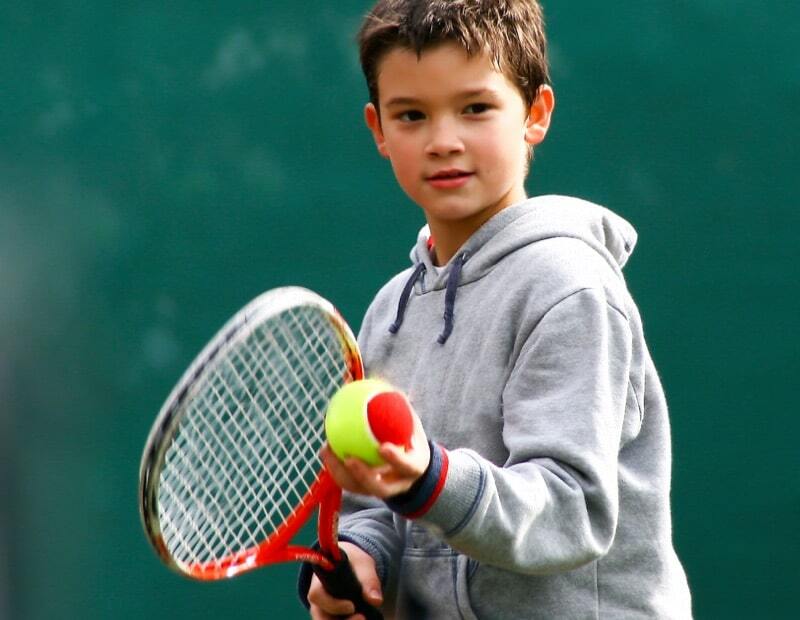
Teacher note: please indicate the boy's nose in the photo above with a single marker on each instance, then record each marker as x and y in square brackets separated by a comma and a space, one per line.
[443, 140]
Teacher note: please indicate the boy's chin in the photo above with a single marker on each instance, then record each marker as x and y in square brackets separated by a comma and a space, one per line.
[455, 212]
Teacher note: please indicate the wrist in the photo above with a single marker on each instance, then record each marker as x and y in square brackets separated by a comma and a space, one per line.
[419, 498]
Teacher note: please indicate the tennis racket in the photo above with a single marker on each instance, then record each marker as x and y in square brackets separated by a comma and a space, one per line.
[231, 470]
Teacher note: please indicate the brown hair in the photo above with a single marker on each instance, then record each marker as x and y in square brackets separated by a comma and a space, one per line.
[511, 31]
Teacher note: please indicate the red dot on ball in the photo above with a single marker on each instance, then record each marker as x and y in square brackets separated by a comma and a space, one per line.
[390, 418]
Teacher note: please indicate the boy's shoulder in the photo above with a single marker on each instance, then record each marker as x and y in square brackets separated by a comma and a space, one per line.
[551, 270]
[565, 244]
[559, 259]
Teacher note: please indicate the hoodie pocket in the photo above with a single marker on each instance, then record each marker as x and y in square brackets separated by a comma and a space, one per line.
[465, 567]
[433, 580]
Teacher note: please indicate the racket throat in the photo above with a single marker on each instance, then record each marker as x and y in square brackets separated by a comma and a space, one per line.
[296, 553]
[328, 518]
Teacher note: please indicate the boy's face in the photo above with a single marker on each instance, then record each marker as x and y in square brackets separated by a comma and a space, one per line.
[457, 132]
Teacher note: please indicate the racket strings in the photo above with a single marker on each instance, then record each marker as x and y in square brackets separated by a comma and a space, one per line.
[247, 448]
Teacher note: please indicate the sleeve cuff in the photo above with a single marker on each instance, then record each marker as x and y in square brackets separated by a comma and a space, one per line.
[422, 495]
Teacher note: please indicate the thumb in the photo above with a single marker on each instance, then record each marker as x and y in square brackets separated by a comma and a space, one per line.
[370, 584]
[364, 568]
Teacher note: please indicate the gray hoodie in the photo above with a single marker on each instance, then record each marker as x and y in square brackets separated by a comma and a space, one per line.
[548, 494]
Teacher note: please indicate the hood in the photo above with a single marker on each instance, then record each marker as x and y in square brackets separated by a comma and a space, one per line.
[535, 219]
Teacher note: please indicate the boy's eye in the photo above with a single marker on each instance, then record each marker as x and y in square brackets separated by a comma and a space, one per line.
[410, 116]
[476, 108]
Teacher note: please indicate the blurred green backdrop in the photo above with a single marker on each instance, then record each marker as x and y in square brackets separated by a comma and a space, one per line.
[161, 164]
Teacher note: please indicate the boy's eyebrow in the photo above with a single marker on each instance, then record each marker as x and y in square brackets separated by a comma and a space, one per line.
[464, 94]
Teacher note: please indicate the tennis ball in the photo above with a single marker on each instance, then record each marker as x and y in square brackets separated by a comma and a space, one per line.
[364, 414]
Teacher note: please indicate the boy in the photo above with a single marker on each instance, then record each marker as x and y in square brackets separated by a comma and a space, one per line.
[538, 481]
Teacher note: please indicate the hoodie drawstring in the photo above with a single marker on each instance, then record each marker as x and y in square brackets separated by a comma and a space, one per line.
[450, 296]
[401, 307]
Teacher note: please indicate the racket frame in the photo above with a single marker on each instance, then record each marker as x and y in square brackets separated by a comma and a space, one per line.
[323, 492]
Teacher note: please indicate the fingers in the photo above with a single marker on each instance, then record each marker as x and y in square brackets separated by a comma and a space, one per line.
[318, 614]
[397, 475]
[412, 462]
[369, 480]
[352, 474]
[383, 481]
[408, 463]
[324, 606]
[337, 469]
[363, 566]
[402, 467]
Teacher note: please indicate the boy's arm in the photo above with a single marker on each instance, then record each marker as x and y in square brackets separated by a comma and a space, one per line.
[554, 505]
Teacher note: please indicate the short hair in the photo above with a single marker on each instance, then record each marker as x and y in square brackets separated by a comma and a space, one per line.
[511, 31]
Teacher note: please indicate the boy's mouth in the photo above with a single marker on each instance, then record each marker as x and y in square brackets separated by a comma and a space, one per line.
[450, 177]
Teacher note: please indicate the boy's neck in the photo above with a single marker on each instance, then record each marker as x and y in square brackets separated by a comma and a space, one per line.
[449, 235]
[446, 241]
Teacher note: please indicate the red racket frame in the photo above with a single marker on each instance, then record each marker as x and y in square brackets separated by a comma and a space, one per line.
[323, 492]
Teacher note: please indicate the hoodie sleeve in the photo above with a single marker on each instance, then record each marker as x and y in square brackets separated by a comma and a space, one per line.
[554, 504]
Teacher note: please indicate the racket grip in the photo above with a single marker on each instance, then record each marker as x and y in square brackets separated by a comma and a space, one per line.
[341, 582]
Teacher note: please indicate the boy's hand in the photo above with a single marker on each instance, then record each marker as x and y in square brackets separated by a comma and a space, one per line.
[325, 607]
[401, 468]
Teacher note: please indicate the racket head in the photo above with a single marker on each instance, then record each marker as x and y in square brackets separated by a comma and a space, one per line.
[231, 468]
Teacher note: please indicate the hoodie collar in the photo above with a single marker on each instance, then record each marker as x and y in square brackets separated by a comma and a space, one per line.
[519, 225]
[533, 220]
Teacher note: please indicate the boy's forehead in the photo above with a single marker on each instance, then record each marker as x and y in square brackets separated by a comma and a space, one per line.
[446, 67]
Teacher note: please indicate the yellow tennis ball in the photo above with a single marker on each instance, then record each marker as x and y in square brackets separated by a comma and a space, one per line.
[362, 415]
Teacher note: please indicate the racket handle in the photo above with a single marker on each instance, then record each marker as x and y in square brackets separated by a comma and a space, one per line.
[341, 582]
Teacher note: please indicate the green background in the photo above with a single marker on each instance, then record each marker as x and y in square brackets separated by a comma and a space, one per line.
[161, 164]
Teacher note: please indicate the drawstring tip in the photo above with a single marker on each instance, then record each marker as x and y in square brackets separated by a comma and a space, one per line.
[450, 296]
[394, 328]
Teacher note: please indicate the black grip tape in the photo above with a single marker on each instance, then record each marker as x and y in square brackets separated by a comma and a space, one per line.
[341, 582]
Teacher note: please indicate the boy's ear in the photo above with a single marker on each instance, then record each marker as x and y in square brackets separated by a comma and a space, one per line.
[538, 121]
[374, 123]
